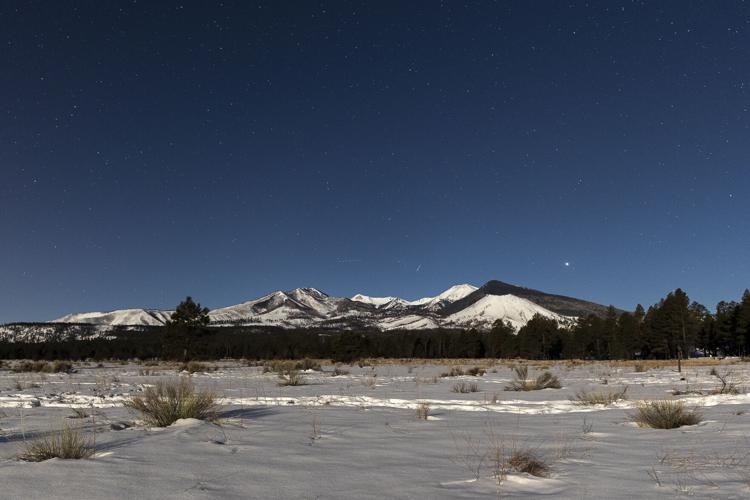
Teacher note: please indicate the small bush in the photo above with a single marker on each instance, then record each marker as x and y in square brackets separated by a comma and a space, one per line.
[61, 366]
[79, 413]
[598, 398]
[291, 377]
[465, 387]
[66, 443]
[28, 366]
[521, 382]
[527, 461]
[453, 372]
[167, 402]
[727, 384]
[42, 367]
[285, 365]
[308, 364]
[476, 371]
[665, 414]
[195, 367]
[370, 381]
[423, 411]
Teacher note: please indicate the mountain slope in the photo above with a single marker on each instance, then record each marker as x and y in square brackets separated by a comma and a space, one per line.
[449, 296]
[490, 308]
[560, 304]
[150, 317]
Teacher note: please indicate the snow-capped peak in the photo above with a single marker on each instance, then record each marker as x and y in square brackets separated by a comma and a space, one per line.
[374, 301]
[490, 308]
[454, 293]
[457, 292]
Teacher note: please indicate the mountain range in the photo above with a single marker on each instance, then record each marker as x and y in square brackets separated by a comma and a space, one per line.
[460, 306]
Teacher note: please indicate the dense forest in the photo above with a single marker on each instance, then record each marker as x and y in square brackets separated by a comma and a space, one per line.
[675, 327]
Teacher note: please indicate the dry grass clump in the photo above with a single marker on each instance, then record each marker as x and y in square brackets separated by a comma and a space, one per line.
[465, 387]
[79, 413]
[584, 397]
[66, 443]
[423, 411]
[285, 365]
[291, 377]
[527, 461]
[521, 382]
[42, 367]
[169, 401]
[455, 371]
[370, 381]
[195, 367]
[665, 414]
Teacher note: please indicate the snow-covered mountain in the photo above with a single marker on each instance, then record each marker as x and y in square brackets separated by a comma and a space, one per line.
[460, 306]
[490, 308]
[378, 301]
[454, 293]
[149, 317]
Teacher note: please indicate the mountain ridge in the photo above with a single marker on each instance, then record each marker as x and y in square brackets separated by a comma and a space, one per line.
[460, 306]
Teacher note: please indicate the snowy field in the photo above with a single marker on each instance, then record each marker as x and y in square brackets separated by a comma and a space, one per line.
[357, 434]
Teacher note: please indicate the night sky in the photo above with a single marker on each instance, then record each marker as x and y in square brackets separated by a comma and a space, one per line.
[151, 150]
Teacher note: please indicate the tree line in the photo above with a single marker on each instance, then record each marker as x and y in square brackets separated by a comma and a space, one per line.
[674, 327]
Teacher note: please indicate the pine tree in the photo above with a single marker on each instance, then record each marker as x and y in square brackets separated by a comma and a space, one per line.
[539, 338]
[727, 316]
[184, 330]
[502, 341]
[189, 314]
[743, 324]
[611, 346]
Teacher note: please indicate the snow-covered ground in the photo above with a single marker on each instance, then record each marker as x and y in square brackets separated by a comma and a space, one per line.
[356, 435]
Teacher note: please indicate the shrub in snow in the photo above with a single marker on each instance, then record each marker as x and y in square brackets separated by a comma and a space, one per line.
[584, 397]
[521, 382]
[453, 372]
[195, 367]
[66, 443]
[43, 367]
[464, 387]
[665, 414]
[169, 401]
[526, 461]
[727, 384]
[423, 411]
[291, 377]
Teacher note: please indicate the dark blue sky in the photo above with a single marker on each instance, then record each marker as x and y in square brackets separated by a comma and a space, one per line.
[227, 150]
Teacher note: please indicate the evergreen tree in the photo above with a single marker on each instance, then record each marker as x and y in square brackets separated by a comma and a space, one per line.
[727, 316]
[502, 341]
[189, 314]
[185, 329]
[611, 345]
[743, 324]
[628, 334]
[539, 339]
